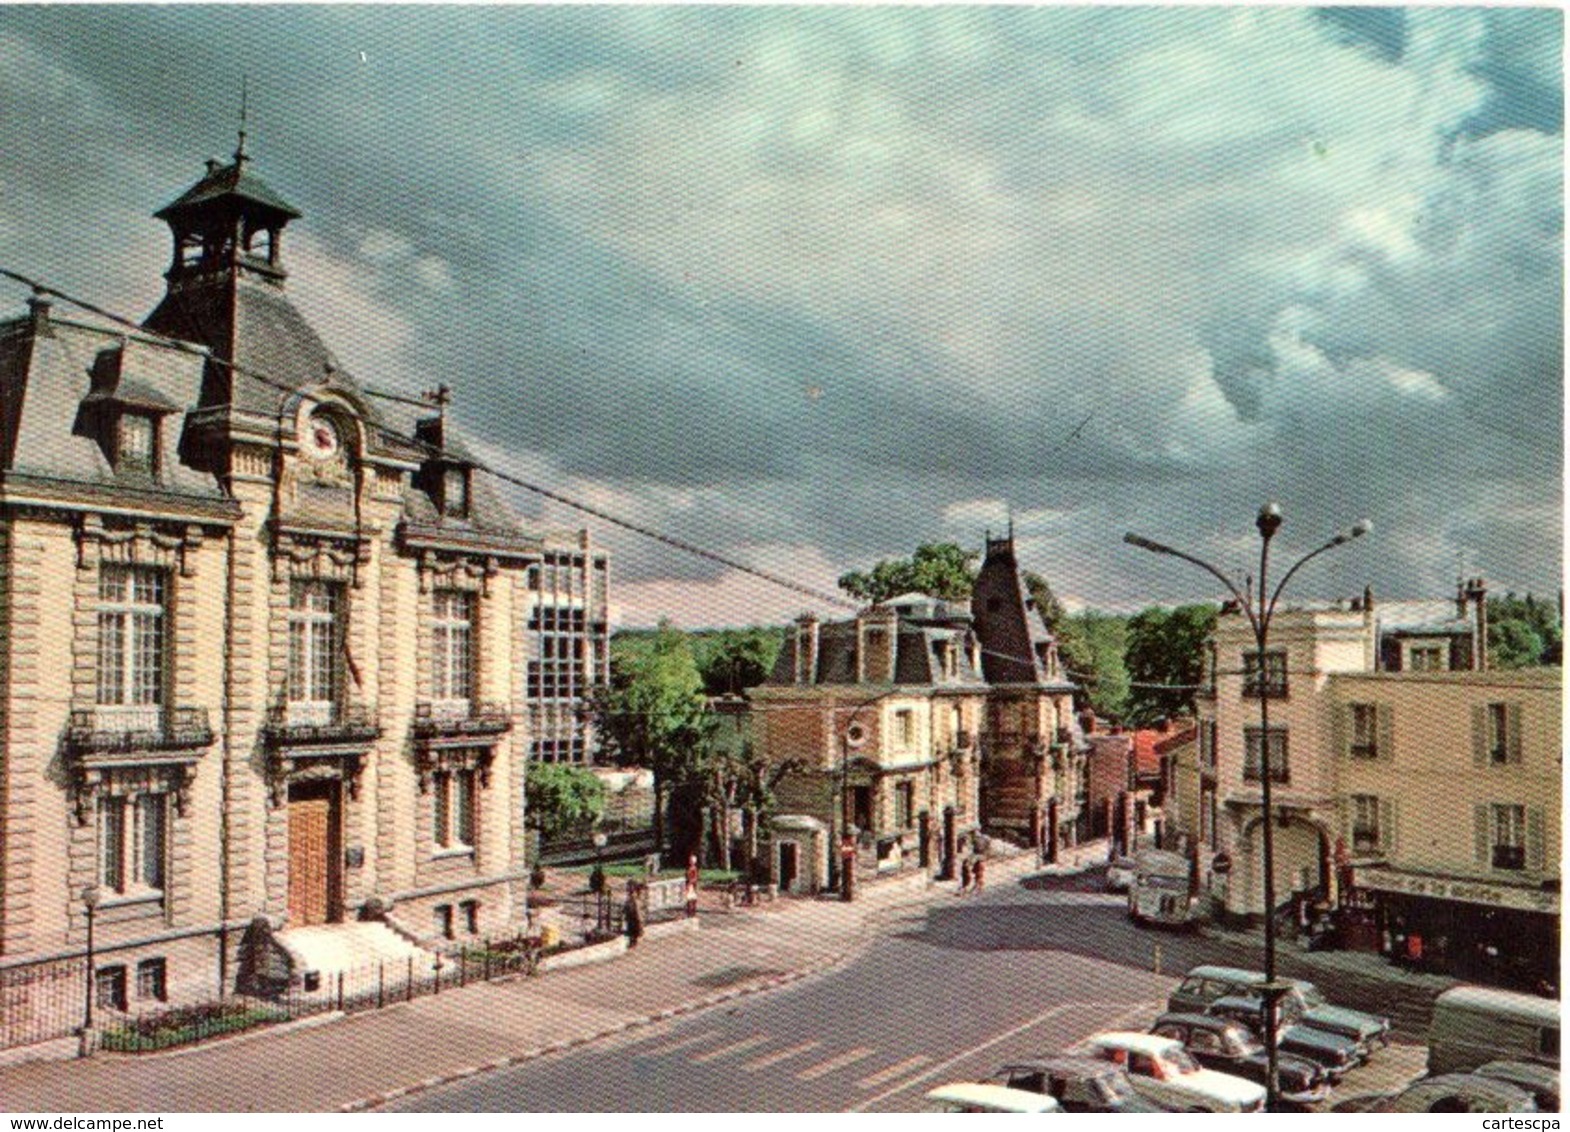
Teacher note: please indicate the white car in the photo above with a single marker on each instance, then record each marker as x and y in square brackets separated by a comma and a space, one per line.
[978, 1096]
[1120, 873]
[1162, 1070]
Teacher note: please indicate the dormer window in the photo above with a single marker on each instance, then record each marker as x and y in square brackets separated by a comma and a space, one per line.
[455, 493]
[136, 442]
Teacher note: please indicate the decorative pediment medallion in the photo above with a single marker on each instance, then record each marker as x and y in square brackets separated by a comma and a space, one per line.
[167, 545]
[471, 572]
[318, 555]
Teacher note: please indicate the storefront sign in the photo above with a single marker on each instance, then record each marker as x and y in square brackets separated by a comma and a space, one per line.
[1465, 891]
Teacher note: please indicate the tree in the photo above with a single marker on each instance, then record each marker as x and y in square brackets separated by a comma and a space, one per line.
[562, 799]
[939, 569]
[1166, 647]
[653, 714]
[1523, 632]
[1052, 611]
[733, 660]
[1092, 646]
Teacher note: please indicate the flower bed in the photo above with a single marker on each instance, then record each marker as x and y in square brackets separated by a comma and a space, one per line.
[185, 1024]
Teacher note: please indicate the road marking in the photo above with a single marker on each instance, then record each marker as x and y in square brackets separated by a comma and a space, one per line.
[1045, 1015]
[823, 1069]
[658, 1049]
[778, 1056]
[735, 1047]
[898, 1069]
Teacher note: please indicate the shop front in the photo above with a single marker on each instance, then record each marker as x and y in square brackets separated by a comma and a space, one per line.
[1479, 931]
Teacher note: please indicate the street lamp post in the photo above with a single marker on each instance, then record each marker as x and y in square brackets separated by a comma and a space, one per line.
[1267, 522]
[92, 895]
[602, 898]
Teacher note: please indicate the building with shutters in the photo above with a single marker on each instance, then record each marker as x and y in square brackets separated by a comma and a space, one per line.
[1449, 826]
[1409, 780]
[272, 653]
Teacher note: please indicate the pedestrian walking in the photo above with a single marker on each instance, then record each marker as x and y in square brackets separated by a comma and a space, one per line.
[689, 890]
[979, 873]
[964, 876]
[632, 913]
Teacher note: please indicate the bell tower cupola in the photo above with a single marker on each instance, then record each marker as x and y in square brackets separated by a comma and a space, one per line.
[228, 224]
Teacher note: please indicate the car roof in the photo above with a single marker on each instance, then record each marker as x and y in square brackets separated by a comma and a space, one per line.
[1190, 1018]
[1541, 1076]
[1489, 1087]
[982, 1094]
[1063, 1063]
[1134, 1040]
[1495, 1000]
[1238, 1001]
[1229, 974]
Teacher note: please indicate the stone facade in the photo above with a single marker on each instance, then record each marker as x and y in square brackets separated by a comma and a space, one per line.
[268, 652]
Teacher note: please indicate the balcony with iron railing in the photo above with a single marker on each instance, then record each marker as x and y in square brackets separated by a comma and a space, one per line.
[305, 724]
[460, 720]
[108, 731]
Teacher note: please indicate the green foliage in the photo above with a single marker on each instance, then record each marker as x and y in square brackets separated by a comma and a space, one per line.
[653, 714]
[1166, 646]
[733, 660]
[562, 799]
[1052, 611]
[183, 1025]
[1523, 632]
[938, 569]
[1092, 646]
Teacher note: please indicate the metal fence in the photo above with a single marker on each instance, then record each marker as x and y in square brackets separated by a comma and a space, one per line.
[47, 1001]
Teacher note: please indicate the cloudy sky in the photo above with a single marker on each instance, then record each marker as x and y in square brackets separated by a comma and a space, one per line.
[809, 286]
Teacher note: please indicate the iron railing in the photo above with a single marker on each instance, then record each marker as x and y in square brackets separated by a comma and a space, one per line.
[106, 731]
[347, 723]
[440, 720]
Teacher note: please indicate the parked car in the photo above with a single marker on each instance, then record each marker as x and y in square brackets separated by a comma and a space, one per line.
[1320, 1014]
[975, 1096]
[1120, 871]
[1230, 1047]
[1475, 1025]
[1162, 890]
[1449, 1092]
[1539, 1080]
[1337, 1054]
[1302, 1005]
[1161, 1069]
[1079, 1084]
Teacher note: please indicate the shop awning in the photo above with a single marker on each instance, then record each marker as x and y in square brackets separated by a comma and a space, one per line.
[1459, 889]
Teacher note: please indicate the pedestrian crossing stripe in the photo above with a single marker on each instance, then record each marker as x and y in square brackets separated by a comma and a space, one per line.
[660, 1048]
[734, 1048]
[898, 1069]
[778, 1056]
[823, 1069]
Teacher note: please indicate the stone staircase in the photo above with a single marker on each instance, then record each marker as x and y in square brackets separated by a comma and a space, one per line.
[358, 959]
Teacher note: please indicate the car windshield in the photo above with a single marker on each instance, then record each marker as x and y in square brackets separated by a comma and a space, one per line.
[1312, 997]
[1241, 1041]
[1112, 1088]
[1178, 1062]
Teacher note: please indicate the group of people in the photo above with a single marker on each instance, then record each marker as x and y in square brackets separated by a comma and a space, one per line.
[633, 908]
[972, 873]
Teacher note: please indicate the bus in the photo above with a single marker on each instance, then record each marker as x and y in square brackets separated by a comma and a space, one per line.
[1161, 891]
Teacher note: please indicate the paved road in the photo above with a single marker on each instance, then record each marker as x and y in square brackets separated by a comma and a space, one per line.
[949, 992]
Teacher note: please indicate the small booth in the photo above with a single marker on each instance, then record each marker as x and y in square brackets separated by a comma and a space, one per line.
[799, 860]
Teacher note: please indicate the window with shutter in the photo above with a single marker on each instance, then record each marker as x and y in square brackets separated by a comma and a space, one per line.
[1534, 839]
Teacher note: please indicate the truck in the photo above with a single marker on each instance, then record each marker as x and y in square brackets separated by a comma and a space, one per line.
[1161, 891]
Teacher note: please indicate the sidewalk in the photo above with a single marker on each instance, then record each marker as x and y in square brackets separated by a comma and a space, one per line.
[360, 1060]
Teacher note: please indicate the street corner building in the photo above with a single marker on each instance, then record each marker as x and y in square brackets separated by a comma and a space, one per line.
[273, 655]
[899, 735]
[1417, 791]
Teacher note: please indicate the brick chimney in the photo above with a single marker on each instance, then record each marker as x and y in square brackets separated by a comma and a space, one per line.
[40, 305]
[1477, 596]
[807, 649]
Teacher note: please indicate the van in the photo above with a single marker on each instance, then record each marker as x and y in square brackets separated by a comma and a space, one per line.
[1475, 1025]
[968, 1096]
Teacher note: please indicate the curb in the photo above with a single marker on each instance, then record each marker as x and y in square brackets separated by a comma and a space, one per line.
[665, 1015]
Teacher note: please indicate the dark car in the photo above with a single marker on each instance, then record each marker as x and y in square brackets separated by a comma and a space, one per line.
[1230, 1047]
[1541, 1081]
[1335, 1053]
[1320, 1014]
[1449, 1092]
[1302, 1004]
[1079, 1084]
